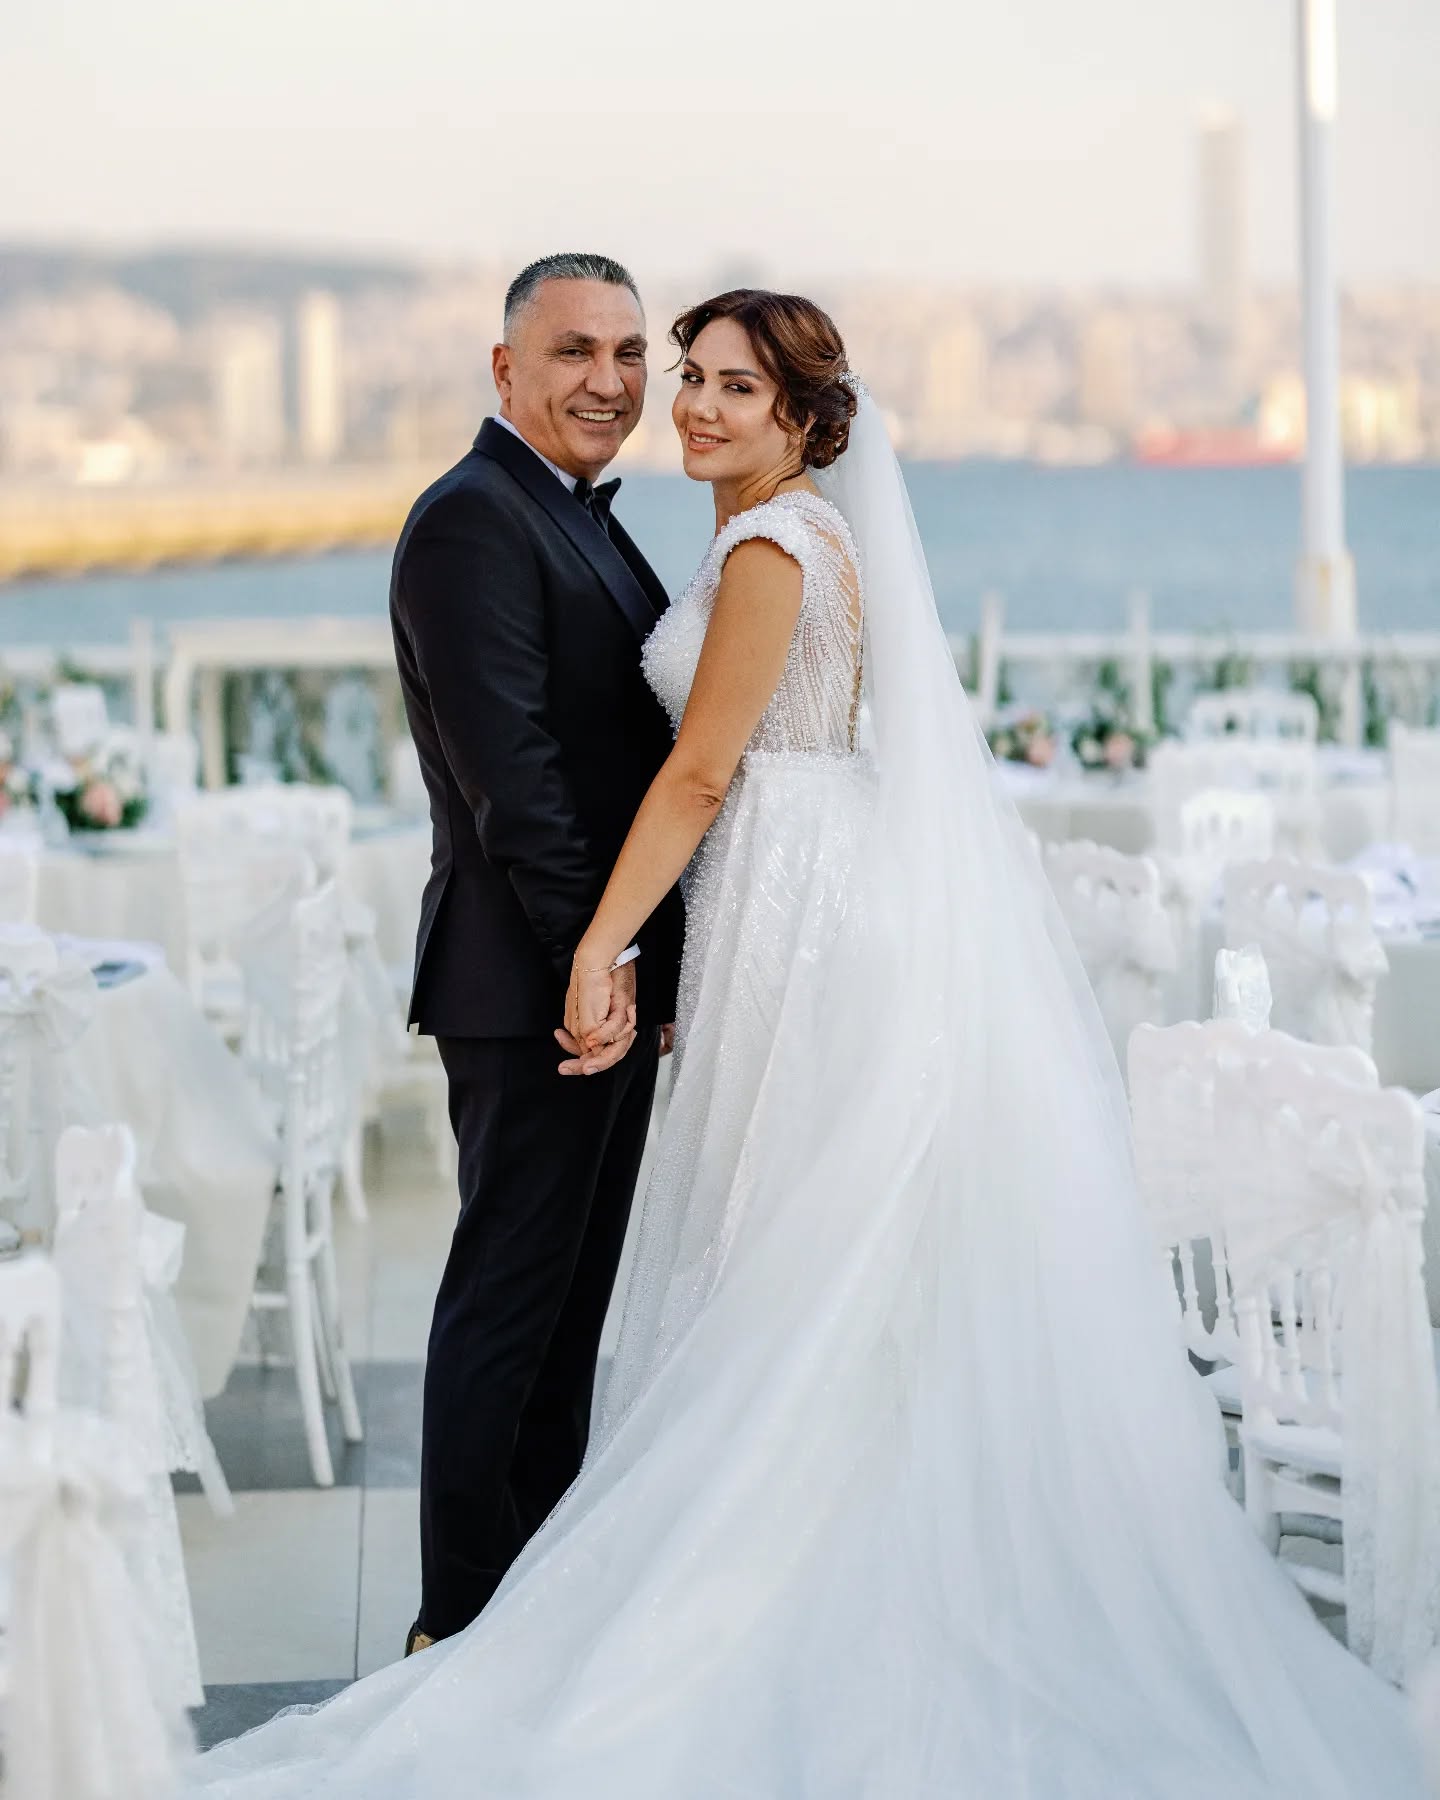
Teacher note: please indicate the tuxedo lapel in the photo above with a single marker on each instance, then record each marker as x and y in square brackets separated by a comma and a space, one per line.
[624, 585]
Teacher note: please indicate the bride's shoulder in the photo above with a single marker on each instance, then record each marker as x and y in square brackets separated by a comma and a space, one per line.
[799, 522]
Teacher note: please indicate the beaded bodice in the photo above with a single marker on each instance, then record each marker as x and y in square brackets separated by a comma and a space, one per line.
[814, 707]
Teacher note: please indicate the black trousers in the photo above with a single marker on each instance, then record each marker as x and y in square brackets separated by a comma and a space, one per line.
[547, 1172]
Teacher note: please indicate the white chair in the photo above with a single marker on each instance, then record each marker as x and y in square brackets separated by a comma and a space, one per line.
[80, 718]
[19, 881]
[1112, 905]
[237, 895]
[1323, 1201]
[108, 1367]
[46, 1004]
[1217, 826]
[1314, 927]
[172, 774]
[1182, 1167]
[293, 1048]
[1254, 713]
[317, 819]
[1286, 771]
[87, 1714]
[1415, 788]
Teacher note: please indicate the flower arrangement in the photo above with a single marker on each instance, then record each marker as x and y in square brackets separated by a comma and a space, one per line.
[1106, 740]
[1027, 737]
[101, 792]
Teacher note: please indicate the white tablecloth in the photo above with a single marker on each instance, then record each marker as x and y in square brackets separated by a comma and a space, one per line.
[206, 1150]
[1118, 811]
[129, 887]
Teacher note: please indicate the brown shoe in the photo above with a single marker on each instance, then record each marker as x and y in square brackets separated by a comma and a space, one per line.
[416, 1639]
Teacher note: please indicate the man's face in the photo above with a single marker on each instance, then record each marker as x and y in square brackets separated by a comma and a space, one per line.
[572, 377]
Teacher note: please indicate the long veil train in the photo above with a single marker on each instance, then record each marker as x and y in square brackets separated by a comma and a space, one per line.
[900, 1487]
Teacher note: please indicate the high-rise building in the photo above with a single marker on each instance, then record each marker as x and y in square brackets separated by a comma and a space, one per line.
[1223, 264]
[952, 403]
[247, 387]
[1105, 383]
[319, 400]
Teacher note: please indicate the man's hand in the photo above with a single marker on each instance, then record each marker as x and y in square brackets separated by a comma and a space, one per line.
[667, 1039]
[599, 1027]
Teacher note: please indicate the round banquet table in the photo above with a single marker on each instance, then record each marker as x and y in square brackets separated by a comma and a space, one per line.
[205, 1147]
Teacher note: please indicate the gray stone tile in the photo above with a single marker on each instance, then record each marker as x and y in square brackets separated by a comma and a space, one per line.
[389, 1577]
[260, 1437]
[275, 1589]
[233, 1707]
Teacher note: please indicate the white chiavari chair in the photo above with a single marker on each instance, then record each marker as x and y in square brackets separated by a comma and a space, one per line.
[46, 1003]
[1286, 771]
[1415, 788]
[237, 894]
[316, 818]
[1182, 1167]
[1254, 713]
[108, 1367]
[1112, 905]
[19, 880]
[1323, 1201]
[1314, 927]
[292, 1045]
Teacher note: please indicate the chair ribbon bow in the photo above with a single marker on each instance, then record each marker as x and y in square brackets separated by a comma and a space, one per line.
[1391, 1441]
[54, 1009]
[85, 1718]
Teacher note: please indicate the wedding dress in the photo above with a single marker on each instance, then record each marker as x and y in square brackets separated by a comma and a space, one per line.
[900, 1487]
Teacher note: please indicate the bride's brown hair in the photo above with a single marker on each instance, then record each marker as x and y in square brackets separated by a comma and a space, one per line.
[800, 350]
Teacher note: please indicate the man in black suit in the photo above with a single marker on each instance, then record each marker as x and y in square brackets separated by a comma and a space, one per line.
[519, 607]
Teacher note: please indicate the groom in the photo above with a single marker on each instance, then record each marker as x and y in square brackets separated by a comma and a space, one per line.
[519, 606]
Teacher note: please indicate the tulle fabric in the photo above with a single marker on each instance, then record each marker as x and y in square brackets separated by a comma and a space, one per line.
[900, 1487]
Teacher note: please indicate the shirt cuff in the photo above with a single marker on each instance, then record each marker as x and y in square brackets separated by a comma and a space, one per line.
[626, 956]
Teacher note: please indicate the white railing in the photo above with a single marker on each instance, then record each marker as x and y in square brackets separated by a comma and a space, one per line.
[1137, 650]
[179, 679]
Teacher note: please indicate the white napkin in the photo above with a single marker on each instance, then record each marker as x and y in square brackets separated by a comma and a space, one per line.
[112, 950]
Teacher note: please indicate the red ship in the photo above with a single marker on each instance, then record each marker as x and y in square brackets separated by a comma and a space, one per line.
[1209, 447]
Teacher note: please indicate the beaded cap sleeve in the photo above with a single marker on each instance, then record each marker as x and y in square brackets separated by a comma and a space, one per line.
[813, 707]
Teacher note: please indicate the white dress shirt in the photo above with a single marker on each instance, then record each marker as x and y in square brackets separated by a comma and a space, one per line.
[554, 468]
[568, 481]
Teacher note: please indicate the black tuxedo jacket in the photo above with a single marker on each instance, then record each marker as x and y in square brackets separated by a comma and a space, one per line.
[518, 624]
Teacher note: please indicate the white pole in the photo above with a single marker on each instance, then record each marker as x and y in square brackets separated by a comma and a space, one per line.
[1325, 578]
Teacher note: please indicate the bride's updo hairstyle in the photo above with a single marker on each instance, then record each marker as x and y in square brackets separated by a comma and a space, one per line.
[800, 350]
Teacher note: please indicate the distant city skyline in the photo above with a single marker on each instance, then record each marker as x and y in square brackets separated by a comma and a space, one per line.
[1040, 143]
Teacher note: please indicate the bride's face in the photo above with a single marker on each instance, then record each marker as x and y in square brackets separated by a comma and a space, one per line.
[725, 410]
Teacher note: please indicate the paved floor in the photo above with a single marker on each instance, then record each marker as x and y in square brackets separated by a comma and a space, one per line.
[305, 1589]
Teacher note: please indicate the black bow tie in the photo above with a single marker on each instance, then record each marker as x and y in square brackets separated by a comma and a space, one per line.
[597, 500]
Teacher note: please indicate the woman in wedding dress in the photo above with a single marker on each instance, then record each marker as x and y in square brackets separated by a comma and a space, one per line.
[901, 1486]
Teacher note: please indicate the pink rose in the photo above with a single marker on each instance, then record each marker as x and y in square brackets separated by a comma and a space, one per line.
[1119, 750]
[100, 803]
[1040, 751]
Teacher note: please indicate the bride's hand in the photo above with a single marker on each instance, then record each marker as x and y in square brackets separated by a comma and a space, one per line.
[587, 1003]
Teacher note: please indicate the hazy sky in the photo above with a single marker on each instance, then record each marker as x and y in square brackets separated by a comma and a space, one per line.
[1031, 140]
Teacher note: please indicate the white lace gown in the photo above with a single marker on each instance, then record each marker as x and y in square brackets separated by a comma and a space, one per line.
[887, 1500]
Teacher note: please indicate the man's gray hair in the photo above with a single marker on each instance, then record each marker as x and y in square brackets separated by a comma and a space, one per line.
[567, 265]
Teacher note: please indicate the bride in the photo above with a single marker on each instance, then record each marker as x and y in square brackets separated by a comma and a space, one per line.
[900, 1487]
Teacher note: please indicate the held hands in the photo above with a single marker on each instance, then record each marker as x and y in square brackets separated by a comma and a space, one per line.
[599, 1016]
